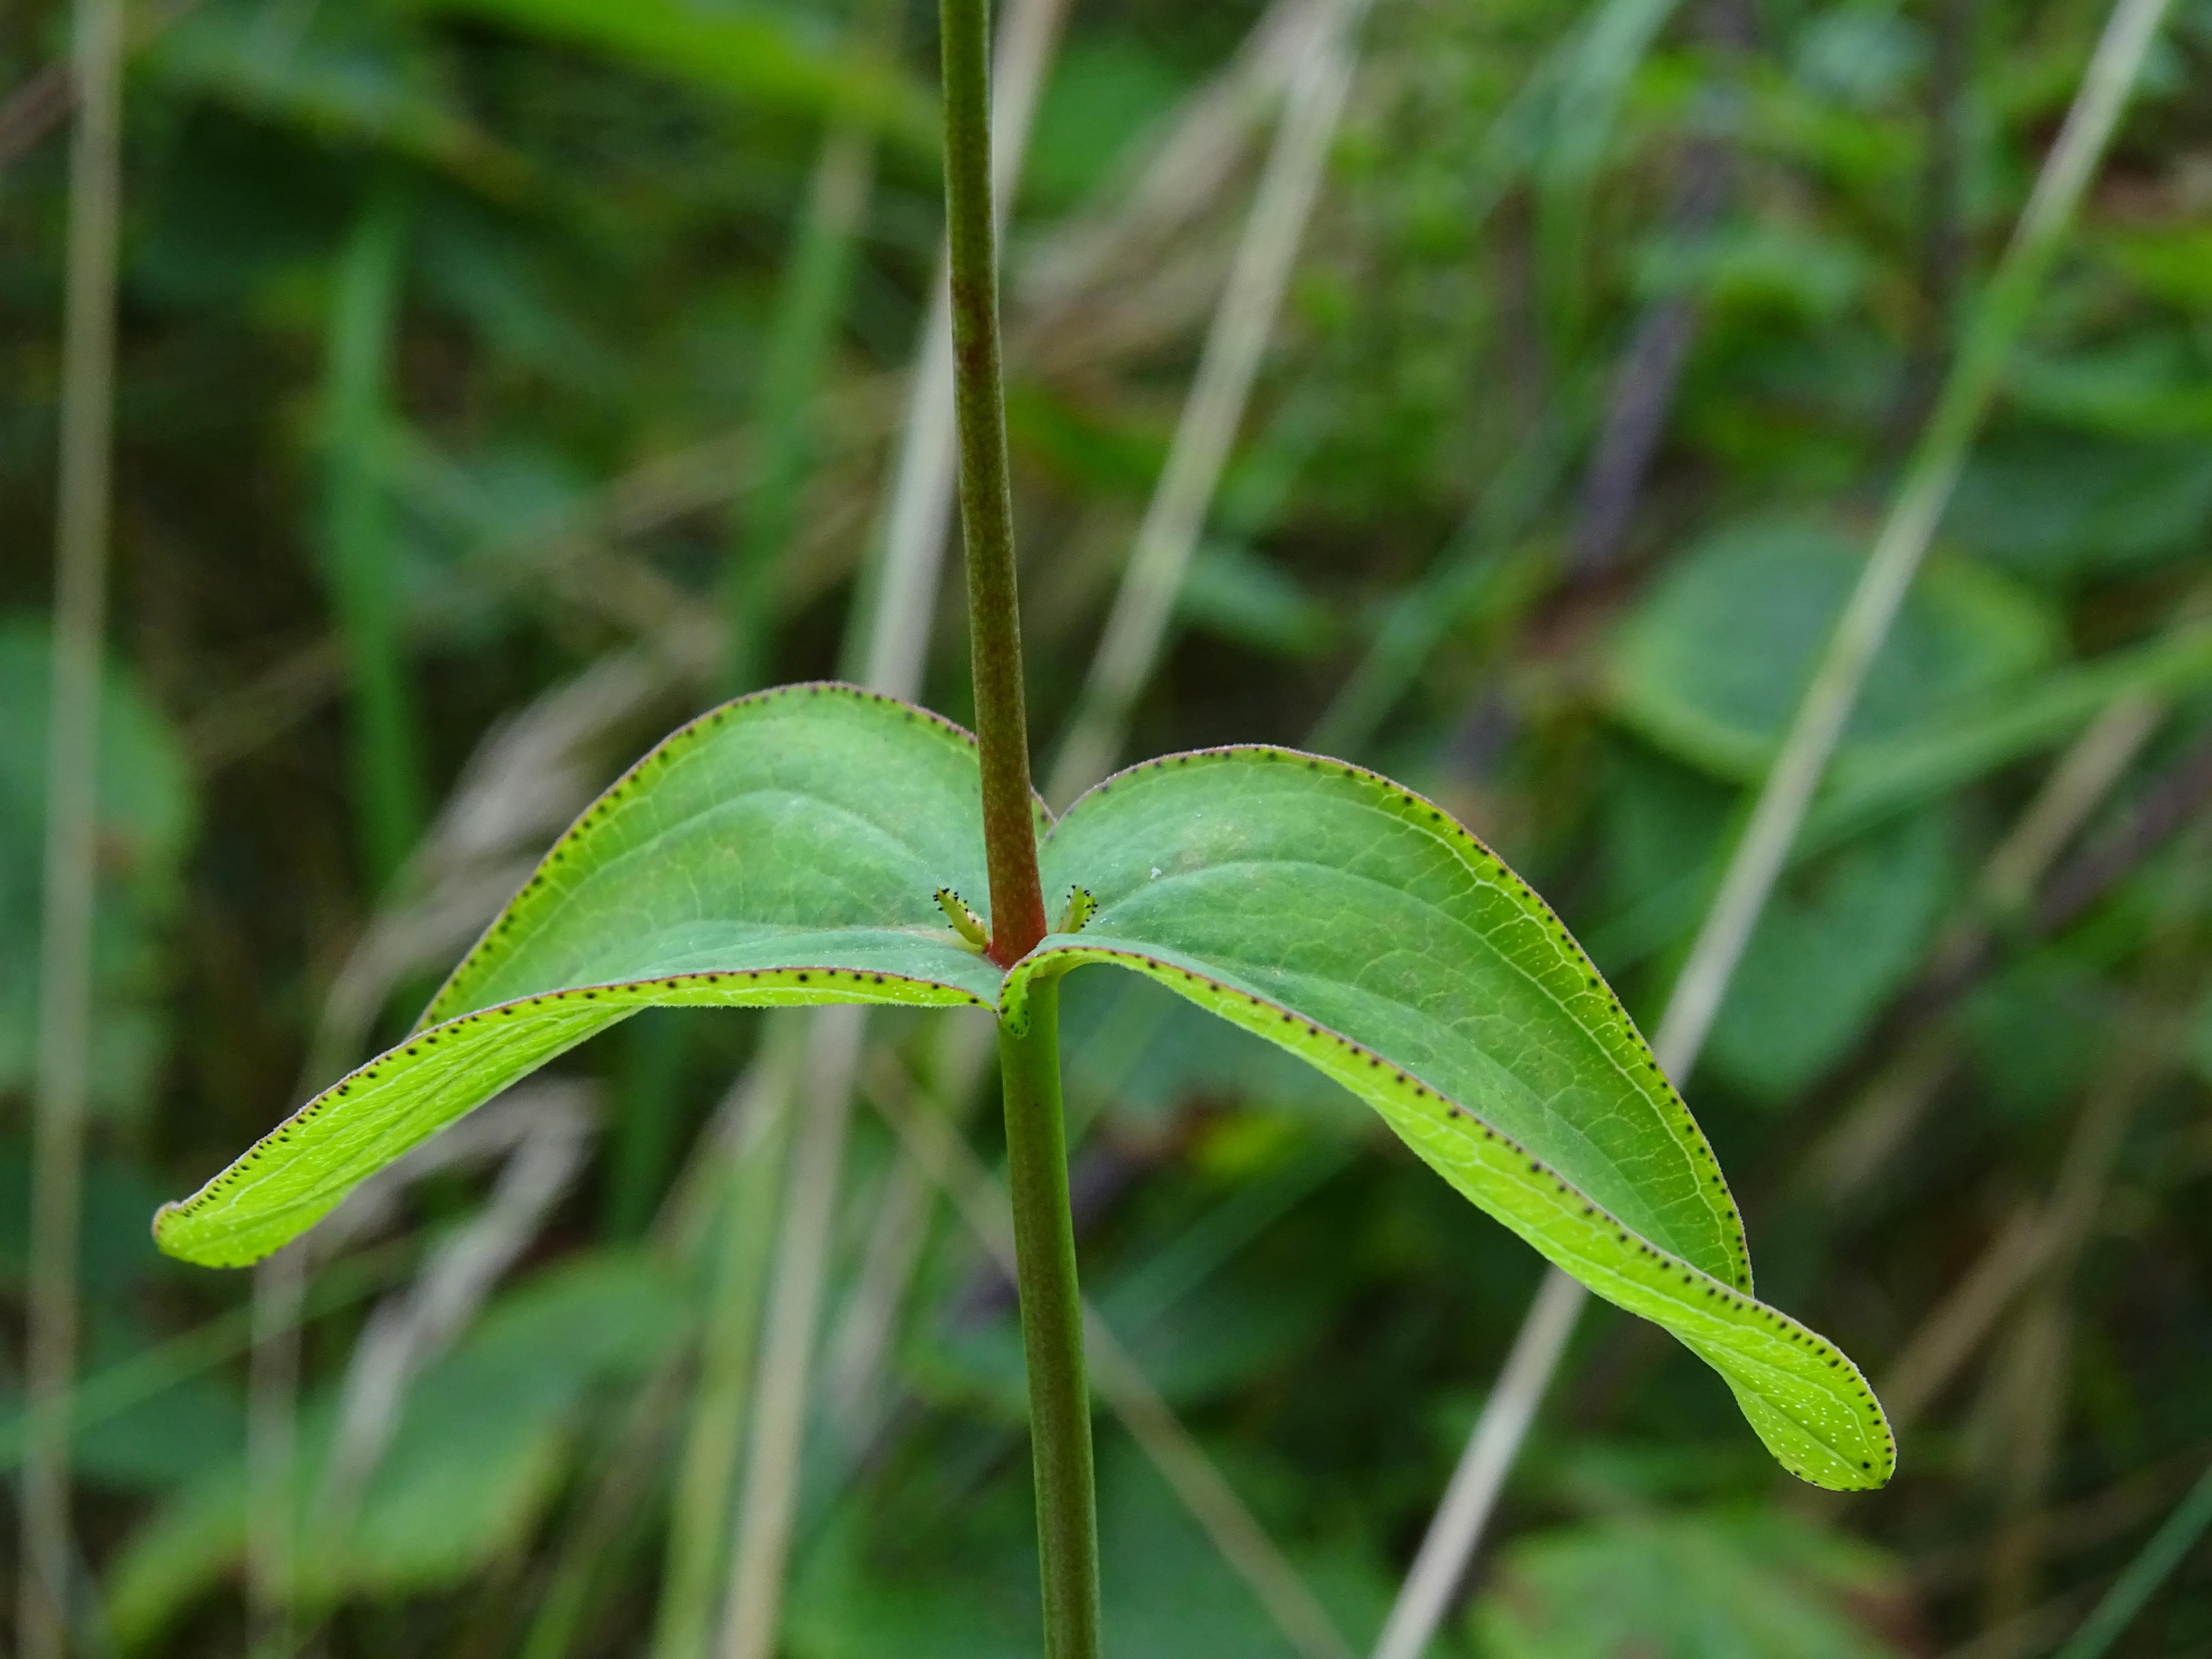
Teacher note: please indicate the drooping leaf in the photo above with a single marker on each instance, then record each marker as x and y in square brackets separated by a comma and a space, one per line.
[1358, 926]
[784, 849]
[791, 847]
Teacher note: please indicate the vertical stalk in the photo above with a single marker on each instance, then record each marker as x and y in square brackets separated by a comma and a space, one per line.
[806, 310]
[1236, 342]
[748, 1172]
[986, 509]
[890, 649]
[1044, 1232]
[1052, 1330]
[72, 805]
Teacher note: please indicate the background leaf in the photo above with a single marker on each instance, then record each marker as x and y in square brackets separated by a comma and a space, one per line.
[1712, 663]
[1720, 1584]
[147, 818]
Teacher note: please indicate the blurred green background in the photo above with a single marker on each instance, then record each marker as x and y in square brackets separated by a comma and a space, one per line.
[502, 381]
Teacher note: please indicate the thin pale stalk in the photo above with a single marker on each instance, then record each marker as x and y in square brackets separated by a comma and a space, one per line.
[42, 103]
[707, 1473]
[2074, 789]
[1929, 477]
[794, 1312]
[894, 643]
[800, 334]
[1137, 628]
[357, 543]
[80, 551]
[1482, 1469]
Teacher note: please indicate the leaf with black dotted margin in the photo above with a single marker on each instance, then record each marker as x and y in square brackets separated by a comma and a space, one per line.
[1358, 926]
[786, 849]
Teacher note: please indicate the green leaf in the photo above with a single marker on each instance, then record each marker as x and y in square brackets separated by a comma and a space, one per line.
[356, 79]
[1712, 664]
[1359, 926]
[1735, 1583]
[791, 847]
[754, 55]
[2063, 506]
[784, 849]
[1841, 935]
[479, 1451]
[146, 825]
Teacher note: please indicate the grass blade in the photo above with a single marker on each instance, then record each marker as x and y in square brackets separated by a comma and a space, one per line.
[815, 280]
[2153, 1565]
[357, 541]
[748, 1168]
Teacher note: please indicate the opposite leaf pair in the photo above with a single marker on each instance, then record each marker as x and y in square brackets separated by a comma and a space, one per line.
[791, 847]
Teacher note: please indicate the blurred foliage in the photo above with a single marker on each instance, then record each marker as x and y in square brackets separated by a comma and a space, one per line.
[600, 202]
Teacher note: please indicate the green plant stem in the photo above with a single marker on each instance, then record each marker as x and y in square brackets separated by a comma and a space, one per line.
[1028, 1059]
[986, 509]
[1052, 1330]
